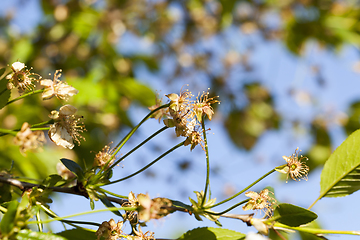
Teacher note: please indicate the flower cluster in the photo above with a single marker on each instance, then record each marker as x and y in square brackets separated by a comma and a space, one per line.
[113, 231]
[187, 115]
[67, 127]
[21, 78]
[110, 230]
[28, 139]
[259, 201]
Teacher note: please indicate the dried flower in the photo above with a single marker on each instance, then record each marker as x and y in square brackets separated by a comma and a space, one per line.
[296, 168]
[66, 127]
[104, 157]
[159, 114]
[179, 102]
[259, 201]
[202, 106]
[147, 208]
[28, 139]
[57, 88]
[195, 138]
[21, 78]
[110, 230]
[153, 208]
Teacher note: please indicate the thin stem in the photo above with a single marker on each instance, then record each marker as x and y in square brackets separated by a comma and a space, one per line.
[138, 146]
[234, 196]
[314, 202]
[127, 137]
[7, 131]
[40, 129]
[229, 209]
[84, 213]
[24, 95]
[147, 166]
[111, 193]
[70, 222]
[207, 162]
[43, 123]
[4, 132]
[315, 230]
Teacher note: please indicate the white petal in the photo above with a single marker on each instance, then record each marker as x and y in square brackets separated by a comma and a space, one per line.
[18, 66]
[67, 110]
[60, 136]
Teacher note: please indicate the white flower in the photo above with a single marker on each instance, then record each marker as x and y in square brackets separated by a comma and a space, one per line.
[57, 88]
[66, 127]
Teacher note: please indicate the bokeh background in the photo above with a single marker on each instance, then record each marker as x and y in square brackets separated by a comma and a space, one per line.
[286, 73]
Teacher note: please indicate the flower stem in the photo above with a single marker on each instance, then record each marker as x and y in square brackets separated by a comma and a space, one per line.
[7, 131]
[314, 230]
[138, 146]
[234, 196]
[229, 209]
[207, 162]
[127, 137]
[111, 193]
[25, 95]
[83, 213]
[147, 166]
[4, 132]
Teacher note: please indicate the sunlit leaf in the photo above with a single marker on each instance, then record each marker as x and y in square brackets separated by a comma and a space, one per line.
[8, 220]
[292, 215]
[210, 233]
[27, 234]
[51, 180]
[341, 174]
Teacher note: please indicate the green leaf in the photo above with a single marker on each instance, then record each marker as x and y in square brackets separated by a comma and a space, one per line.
[51, 180]
[108, 204]
[210, 233]
[27, 234]
[292, 215]
[8, 220]
[341, 174]
[73, 167]
[4, 93]
[5, 193]
[78, 234]
[2, 70]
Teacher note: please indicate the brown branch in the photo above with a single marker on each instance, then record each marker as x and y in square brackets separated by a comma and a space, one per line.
[76, 190]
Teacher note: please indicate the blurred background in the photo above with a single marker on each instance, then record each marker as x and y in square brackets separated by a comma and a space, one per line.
[286, 73]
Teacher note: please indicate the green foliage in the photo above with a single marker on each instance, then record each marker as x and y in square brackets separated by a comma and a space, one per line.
[8, 220]
[78, 234]
[211, 233]
[73, 167]
[4, 92]
[292, 215]
[341, 174]
[27, 234]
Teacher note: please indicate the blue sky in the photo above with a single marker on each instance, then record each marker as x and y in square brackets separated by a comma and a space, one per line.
[279, 71]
